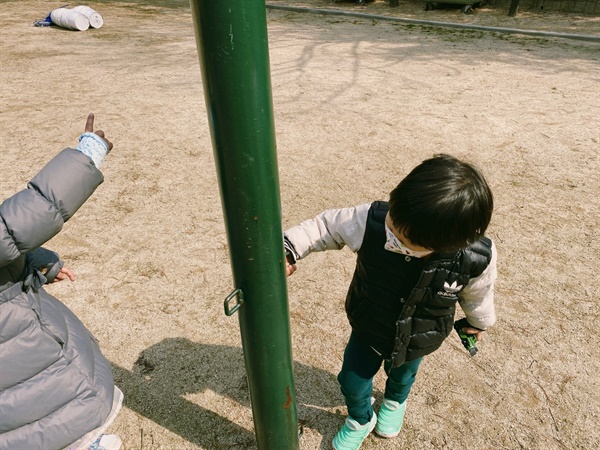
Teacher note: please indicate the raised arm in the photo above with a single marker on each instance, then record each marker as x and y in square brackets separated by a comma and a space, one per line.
[34, 215]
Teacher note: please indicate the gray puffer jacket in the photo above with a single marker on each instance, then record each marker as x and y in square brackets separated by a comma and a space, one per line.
[55, 385]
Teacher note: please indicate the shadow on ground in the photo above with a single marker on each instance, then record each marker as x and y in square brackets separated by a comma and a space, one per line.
[167, 372]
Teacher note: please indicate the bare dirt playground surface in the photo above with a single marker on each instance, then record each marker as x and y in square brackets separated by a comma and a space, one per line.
[357, 104]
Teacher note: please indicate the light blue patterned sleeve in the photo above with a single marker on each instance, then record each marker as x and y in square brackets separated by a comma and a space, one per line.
[94, 146]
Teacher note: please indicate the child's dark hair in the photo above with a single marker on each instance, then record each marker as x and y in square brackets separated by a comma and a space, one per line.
[443, 204]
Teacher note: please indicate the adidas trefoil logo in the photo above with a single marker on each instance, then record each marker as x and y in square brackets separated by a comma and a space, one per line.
[452, 288]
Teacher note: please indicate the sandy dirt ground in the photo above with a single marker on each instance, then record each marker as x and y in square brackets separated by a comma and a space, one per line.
[357, 104]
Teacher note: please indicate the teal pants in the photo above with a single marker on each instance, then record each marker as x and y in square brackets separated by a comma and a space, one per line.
[360, 365]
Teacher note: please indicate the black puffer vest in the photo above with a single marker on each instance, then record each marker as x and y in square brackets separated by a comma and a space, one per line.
[404, 307]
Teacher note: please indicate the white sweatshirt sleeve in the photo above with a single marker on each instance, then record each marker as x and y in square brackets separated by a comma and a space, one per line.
[477, 299]
[330, 230]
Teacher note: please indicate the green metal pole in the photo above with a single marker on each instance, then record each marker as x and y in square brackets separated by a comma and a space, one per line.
[231, 36]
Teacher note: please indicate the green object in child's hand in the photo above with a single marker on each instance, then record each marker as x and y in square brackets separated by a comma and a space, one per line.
[469, 341]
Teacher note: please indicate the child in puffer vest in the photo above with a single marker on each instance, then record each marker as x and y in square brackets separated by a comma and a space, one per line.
[418, 256]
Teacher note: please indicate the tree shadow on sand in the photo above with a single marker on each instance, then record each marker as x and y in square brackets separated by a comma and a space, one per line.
[165, 373]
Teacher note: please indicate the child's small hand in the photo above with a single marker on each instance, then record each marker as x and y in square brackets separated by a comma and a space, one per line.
[63, 275]
[289, 268]
[478, 333]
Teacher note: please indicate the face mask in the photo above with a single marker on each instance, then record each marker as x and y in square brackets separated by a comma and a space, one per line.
[393, 244]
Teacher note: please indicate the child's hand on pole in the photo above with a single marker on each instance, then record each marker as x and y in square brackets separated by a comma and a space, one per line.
[289, 268]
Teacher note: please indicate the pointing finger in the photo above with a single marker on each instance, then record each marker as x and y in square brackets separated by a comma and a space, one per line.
[89, 125]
